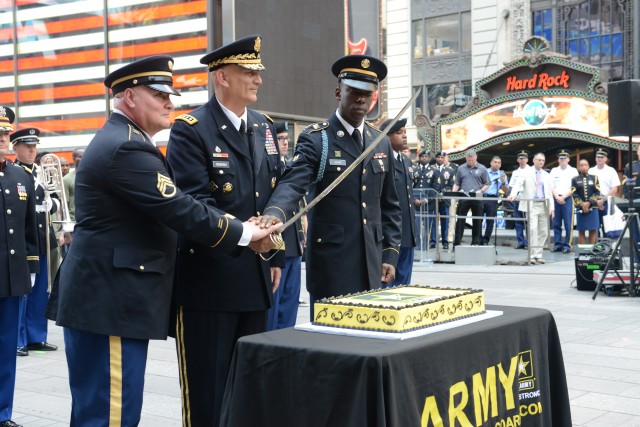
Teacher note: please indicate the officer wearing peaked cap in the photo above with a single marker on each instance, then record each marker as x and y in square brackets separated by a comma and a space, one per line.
[115, 285]
[33, 323]
[561, 178]
[18, 259]
[607, 178]
[345, 259]
[226, 153]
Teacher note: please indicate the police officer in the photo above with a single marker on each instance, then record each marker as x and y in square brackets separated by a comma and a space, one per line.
[354, 233]
[18, 259]
[33, 323]
[226, 153]
[442, 181]
[116, 281]
[286, 298]
[404, 187]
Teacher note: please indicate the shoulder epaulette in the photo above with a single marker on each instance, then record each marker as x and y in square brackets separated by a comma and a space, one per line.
[268, 118]
[188, 119]
[316, 127]
[372, 126]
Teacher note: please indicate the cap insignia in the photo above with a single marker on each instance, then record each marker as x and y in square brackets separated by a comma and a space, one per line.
[170, 64]
[365, 63]
[256, 45]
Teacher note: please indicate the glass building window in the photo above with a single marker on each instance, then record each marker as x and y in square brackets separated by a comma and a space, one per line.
[442, 35]
[592, 32]
[417, 31]
[543, 24]
[440, 100]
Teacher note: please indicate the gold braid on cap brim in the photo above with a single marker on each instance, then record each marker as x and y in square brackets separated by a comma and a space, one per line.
[6, 127]
[244, 59]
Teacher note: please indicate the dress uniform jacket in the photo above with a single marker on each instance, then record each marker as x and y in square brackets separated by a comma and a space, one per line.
[585, 188]
[36, 172]
[635, 173]
[404, 188]
[18, 231]
[117, 278]
[356, 227]
[212, 162]
[443, 181]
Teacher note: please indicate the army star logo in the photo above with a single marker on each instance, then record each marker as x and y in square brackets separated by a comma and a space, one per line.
[166, 187]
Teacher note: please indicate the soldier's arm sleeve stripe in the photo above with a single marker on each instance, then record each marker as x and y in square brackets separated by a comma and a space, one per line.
[33, 258]
[284, 215]
[391, 249]
[224, 233]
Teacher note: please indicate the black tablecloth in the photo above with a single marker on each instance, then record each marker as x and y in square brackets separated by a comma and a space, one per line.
[505, 371]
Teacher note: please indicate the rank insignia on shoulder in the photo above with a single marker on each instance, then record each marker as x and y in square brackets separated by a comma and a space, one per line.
[190, 120]
[371, 126]
[296, 158]
[165, 186]
[317, 126]
[273, 182]
[227, 187]
[268, 118]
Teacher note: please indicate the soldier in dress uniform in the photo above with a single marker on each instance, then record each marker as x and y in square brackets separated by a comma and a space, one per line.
[354, 233]
[585, 191]
[33, 323]
[286, 298]
[116, 282]
[18, 259]
[441, 181]
[404, 187]
[422, 176]
[227, 154]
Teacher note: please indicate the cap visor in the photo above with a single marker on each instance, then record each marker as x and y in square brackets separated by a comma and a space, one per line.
[360, 84]
[163, 88]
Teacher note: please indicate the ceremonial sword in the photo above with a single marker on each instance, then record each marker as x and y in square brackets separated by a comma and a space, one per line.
[277, 236]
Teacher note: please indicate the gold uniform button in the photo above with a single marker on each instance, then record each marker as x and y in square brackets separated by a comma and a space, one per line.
[142, 267]
[364, 205]
[319, 240]
[12, 251]
[364, 171]
[9, 211]
[1, 173]
[39, 225]
[257, 194]
[37, 197]
[192, 251]
[11, 231]
[364, 221]
[258, 213]
[364, 188]
[7, 191]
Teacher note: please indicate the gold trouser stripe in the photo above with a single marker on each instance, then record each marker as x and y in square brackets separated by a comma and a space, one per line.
[115, 374]
[182, 365]
[573, 215]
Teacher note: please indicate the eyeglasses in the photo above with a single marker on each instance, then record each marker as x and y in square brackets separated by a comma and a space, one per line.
[284, 138]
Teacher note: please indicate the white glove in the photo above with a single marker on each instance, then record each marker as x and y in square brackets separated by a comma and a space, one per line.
[48, 204]
[33, 279]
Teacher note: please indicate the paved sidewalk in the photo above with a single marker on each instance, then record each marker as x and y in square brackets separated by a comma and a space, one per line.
[600, 342]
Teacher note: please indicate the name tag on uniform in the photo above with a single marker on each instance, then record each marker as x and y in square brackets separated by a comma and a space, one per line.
[337, 162]
[219, 164]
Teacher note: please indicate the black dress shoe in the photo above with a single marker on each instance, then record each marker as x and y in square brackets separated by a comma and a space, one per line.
[521, 247]
[566, 251]
[445, 246]
[556, 250]
[432, 246]
[22, 351]
[41, 346]
[9, 423]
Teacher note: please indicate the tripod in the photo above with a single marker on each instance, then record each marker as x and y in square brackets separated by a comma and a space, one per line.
[631, 218]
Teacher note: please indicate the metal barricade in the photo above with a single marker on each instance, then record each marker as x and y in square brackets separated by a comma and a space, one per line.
[430, 198]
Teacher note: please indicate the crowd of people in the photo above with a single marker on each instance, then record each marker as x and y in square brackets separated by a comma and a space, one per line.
[187, 245]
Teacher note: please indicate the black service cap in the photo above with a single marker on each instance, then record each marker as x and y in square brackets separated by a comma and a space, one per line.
[155, 72]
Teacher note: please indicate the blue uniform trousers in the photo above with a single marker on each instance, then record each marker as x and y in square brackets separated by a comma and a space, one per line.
[520, 225]
[9, 308]
[284, 311]
[106, 377]
[563, 216]
[444, 225]
[33, 323]
[404, 268]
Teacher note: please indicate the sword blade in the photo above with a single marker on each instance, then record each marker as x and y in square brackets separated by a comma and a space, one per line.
[350, 169]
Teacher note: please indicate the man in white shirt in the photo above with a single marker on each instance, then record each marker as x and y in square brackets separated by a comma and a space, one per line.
[523, 163]
[535, 185]
[607, 178]
[561, 177]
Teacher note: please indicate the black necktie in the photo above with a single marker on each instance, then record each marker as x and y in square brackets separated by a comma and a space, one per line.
[357, 137]
[246, 136]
